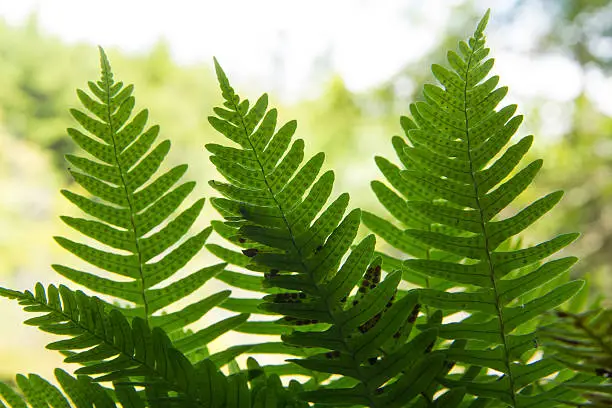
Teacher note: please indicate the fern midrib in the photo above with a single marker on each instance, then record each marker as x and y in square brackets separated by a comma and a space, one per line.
[427, 282]
[498, 303]
[128, 195]
[330, 310]
[153, 369]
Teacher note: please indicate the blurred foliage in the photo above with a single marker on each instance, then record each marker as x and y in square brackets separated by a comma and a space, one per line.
[334, 117]
[38, 75]
[581, 27]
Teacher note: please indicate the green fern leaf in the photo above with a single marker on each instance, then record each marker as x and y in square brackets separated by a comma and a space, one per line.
[274, 208]
[132, 212]
[458, 177]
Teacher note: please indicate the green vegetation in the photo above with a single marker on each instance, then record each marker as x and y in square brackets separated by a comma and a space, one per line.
[447, 316]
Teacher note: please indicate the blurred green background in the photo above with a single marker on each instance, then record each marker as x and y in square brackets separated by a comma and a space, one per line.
[345, 71]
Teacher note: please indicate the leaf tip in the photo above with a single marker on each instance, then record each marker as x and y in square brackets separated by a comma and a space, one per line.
[482, 24]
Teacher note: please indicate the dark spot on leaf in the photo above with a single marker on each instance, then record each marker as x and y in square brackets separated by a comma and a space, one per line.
[250, 252]
[602, 372]
[415, 313]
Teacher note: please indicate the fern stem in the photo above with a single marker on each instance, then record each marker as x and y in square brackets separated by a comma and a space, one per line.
[498, 304]
[427, 281]
[128, 194]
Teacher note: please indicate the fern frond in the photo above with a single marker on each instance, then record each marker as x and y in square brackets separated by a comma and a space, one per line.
[108, 346]
[458, 178]
[142, 244]
[274, 208]
[129, 354]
